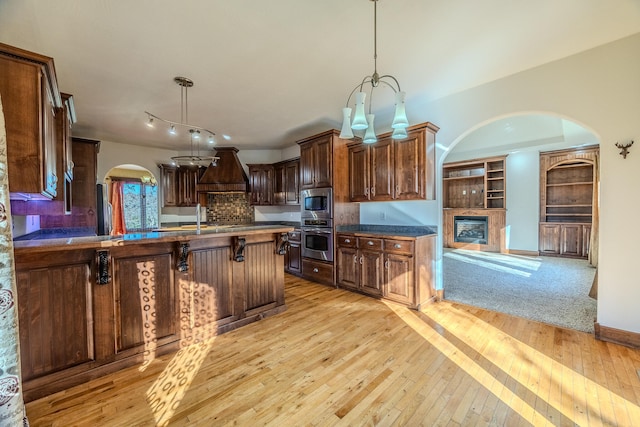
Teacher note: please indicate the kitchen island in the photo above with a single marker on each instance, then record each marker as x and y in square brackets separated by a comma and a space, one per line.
[89, 306]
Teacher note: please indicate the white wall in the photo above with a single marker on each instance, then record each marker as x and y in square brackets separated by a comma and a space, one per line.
[523, 200]
[599, 89]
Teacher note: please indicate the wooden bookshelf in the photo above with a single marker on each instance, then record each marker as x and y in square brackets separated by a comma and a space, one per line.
[567, 180]
[475, 184]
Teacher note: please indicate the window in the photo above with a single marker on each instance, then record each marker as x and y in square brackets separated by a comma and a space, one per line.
[140, 206]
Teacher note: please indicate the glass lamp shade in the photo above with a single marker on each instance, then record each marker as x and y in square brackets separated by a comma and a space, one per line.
[399, 133]
[370, 134]
[359, 120]
[346, 132]
[400, 117]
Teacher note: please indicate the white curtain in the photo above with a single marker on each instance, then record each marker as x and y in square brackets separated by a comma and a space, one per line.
[12, 412]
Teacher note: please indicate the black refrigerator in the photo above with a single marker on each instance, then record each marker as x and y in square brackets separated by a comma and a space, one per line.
[103, 208]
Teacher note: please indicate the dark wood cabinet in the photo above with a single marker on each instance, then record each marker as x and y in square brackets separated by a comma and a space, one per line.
[316, 166]
[179, 185]
[567, 181]
[286, 186]
[84, 205]
[261, 183]
[293, 256]
[386, 267]
[169, 185]
[394, 170]
[30, 99]
[65, 118]
[475, 184]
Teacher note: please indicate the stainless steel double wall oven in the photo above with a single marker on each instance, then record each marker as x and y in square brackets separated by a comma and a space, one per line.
[316, 219]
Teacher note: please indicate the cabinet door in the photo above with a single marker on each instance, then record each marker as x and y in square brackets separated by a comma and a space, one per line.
[348, 267]
[279, 197]
[187, 181]
[291, 182]
[293, 258]
[50, 158]
[382, 176]
[410, 168]
[146, 304]
[169, 180]
[371, 275]
[399, 278]
[571, 240]
[56, 318]
[307, 162]
[549, 239]
[359, 173]
[261, 180]
[323, 163]
[85, 153]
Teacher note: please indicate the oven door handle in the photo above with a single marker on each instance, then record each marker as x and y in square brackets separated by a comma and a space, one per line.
[317, 230]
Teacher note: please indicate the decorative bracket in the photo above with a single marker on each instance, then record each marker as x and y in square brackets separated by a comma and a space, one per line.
[282, 245]
[183, 254]
[103, 261]
[238, 249]
[624, 149]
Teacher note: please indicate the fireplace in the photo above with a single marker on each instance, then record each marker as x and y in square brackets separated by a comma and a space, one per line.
[471, 229]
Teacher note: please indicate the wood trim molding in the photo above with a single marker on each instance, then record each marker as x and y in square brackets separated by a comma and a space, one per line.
[617, 336]
[521, 252]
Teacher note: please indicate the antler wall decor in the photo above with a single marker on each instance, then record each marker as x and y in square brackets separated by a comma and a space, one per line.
[624, 149]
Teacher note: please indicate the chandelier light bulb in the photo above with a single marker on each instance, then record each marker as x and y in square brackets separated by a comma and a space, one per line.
[400, 117]
[360, 120]
[172, 129]
[346, 132]
[370, 134]
[150, 122]
[211, 139]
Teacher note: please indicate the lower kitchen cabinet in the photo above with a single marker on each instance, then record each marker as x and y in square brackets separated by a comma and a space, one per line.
[565, 239]
[385, 267]
[317, 271]
[293, 256]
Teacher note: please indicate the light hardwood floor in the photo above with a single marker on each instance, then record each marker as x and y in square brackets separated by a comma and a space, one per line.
[338, 358]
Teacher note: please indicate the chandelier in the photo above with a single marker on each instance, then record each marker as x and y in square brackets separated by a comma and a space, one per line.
[363, 121]
[195, 158]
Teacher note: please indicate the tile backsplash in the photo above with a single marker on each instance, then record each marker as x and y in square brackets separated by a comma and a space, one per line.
[229, 208]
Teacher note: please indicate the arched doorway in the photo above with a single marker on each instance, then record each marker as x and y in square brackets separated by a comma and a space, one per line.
[498, 281]
[130, 195]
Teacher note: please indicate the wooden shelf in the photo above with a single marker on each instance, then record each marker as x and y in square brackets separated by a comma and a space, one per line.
[570, 183]
[475, 184]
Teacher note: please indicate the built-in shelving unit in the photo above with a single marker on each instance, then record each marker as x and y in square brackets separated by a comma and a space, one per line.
[567, 181]
[474, 190]
[478, 183]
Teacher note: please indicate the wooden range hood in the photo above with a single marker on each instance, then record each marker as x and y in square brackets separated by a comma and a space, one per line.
[227, 176]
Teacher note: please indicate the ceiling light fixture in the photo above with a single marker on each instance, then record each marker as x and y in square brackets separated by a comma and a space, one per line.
[194, 131]
[362, 121]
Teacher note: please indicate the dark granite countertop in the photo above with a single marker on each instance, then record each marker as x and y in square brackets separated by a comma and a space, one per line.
[389, 230]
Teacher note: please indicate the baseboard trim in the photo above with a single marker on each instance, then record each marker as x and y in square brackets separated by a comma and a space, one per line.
[617, 336]
[523, 253]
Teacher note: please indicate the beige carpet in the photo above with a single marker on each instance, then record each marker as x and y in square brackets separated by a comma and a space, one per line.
[547, 289]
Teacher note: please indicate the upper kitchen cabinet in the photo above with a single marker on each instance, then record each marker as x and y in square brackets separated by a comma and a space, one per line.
[261, 183]
[65, 118]
[316, 167]
[30, 98]
[394, 169]
[179, 185]
[85, 207]
[286, 182]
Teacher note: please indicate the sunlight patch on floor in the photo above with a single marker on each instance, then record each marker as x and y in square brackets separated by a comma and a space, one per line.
[487, 264]
[519, 261]
[527, 366]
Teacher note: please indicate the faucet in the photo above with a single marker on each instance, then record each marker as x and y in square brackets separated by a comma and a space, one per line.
[198, 213]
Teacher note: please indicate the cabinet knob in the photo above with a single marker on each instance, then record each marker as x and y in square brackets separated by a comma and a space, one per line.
[386, 265]
[370, 243]
[361, 259]
[355, 259]
[315, 270]
[373, 191]
[397, 246]
[347, 240]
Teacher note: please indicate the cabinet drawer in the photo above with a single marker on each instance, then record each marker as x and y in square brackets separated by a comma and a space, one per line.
[398, 246]
[346, 240]
[317, 271]
[295, 236]
[370, 243]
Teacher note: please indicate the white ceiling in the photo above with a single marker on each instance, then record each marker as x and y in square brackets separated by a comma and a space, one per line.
[270, 72]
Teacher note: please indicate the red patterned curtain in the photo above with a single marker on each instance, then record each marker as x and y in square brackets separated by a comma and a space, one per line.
[117, 209]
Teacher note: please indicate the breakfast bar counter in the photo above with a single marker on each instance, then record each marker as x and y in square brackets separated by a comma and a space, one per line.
[89, 306]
